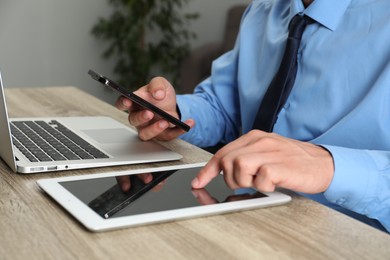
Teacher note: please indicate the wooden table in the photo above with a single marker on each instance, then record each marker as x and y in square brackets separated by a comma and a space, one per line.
[33, 226]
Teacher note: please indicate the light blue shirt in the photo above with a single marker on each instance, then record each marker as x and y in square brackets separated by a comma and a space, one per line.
[340, 99]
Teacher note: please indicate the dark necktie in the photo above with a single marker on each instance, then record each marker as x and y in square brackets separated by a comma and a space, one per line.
[283, 81]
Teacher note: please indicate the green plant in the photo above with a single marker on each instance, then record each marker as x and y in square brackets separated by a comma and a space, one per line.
[145, 36]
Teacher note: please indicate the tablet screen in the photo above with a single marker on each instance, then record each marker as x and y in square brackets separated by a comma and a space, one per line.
[168, 190]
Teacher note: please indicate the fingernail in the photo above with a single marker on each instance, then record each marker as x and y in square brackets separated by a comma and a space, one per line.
[195, 182]
[158, 94]
[163, 124]
[145, 115]
[124, 102]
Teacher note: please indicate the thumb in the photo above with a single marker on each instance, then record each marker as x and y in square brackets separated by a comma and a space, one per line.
[158, 87]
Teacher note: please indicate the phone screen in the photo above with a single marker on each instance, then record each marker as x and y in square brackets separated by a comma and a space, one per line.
[138, 100]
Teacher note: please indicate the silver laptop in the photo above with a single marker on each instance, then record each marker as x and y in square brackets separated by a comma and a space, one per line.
[30, 145]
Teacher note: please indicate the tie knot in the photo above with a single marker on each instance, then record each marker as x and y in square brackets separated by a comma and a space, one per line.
[297, 25]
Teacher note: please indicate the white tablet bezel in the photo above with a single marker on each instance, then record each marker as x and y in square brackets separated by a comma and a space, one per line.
[94, 222]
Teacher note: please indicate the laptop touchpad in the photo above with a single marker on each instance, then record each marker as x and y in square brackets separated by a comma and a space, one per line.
[112, 135]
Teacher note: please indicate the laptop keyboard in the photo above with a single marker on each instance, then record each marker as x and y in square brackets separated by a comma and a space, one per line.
[42, 141]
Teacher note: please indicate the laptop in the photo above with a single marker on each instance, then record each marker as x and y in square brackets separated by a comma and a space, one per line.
[32, 145]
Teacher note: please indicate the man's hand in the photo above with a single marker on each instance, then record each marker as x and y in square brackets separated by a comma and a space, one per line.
[266, 161]
[160, 93]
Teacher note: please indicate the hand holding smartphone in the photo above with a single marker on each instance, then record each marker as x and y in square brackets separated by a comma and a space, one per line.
[138, 100]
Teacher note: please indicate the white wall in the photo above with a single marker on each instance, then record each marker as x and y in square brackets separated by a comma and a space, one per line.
[48, 42]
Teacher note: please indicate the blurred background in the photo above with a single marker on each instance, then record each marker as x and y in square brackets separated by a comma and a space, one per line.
[49, 42]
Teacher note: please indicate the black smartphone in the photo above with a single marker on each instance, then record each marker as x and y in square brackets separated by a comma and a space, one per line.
[138, 100]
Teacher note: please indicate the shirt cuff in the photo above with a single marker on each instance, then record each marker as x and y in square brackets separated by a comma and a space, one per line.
[354, 182]
[181, 108]
[185, 113]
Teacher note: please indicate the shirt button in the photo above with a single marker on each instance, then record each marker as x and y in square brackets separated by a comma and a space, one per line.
[341, 201]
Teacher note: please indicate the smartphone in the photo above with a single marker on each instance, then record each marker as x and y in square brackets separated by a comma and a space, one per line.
[138, 100]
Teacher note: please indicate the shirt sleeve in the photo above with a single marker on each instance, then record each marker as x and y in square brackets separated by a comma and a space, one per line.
[361, 182]
[214, 105]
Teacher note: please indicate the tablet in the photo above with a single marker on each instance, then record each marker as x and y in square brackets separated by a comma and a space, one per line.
[104, 202]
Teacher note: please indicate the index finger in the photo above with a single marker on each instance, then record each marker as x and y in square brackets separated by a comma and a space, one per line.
[206, 174]
[213, 168]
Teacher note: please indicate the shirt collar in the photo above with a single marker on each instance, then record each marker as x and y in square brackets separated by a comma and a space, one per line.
[325, 12]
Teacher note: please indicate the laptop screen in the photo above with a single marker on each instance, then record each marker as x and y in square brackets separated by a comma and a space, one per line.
[6, 147]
